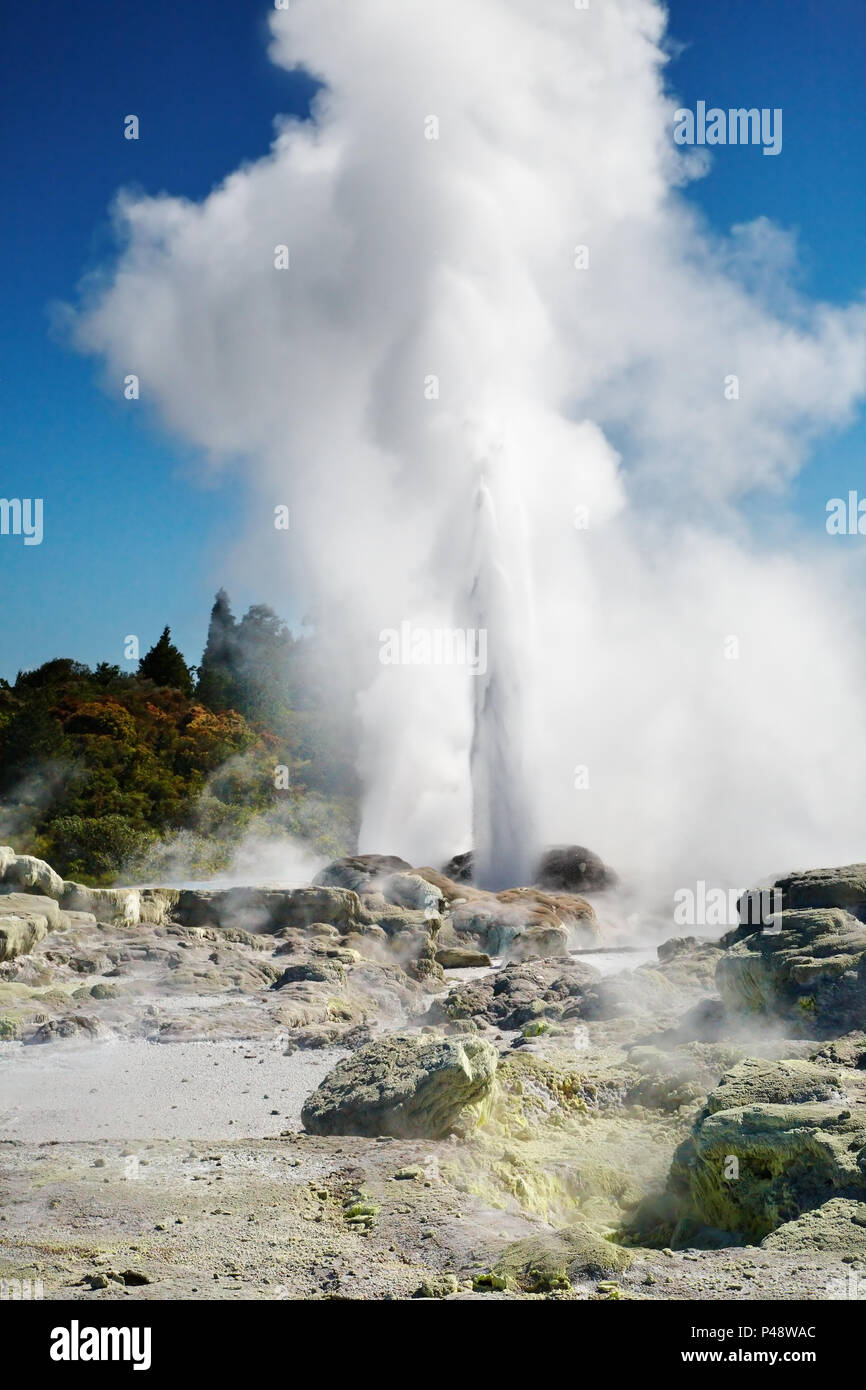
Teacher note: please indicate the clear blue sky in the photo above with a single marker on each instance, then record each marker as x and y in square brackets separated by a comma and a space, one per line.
[135, 539]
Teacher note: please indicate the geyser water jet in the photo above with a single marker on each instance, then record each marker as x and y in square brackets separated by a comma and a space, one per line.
[503, 829]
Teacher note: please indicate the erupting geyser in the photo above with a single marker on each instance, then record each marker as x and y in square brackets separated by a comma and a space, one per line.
[503, 828]
[494, 275]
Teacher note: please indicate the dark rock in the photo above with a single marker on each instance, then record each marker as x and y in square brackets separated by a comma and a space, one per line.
[322, 971]
[459, 868]
[62, 1029]
[519, 994]
[573, 869]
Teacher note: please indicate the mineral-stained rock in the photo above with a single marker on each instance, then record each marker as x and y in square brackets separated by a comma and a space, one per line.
[461, 958]
[797, 1131]
[422, 965]
[451, 889]
[370, 942]
[573, 869]
[229, 935]
[31, 904]
[30, 875]
[25, 920]
[844, 887]
[18, 935]
[498, 918]
[268, 909]
[542, 1264]
[668, 1081]
[316, 1036]
[437, 1285]
[106, 904]
[158, 905]
[26, 874]
[811, 973]
[786, 1082]
[404, 1086]
[847, 1051]
[539, 943]
[837, 1225]
[375, 912]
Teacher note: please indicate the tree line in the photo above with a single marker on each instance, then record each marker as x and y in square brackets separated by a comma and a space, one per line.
[102, 770]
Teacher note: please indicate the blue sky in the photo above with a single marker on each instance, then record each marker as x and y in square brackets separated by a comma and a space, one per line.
[134, 535]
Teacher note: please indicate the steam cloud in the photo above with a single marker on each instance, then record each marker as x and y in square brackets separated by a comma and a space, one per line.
[559, 388]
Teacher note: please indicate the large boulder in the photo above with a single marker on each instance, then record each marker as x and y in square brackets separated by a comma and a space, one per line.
[30, 875]
[461, 958]
[121, 905]
[843, 887]
[24, 873]
[405, 1086]
[361, 872]
[25, 920]
[774, 1140]
[414, 892]
[31, 904]
[269, 909]
[451, 889]
[810, 973]
[540, 943]
[561, 869]
[459, 868]
[573, 869]
[836, 1227]
[499, 918]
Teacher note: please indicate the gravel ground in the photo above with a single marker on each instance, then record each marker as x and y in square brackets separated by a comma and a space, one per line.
[265, 1219]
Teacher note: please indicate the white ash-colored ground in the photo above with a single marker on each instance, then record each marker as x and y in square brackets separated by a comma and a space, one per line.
[117, 1090]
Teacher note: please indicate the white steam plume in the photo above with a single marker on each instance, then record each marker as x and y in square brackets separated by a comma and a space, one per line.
[454, 258]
